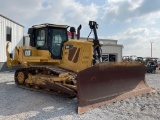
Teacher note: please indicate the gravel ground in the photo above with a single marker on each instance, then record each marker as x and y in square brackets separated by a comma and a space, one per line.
[19, 104]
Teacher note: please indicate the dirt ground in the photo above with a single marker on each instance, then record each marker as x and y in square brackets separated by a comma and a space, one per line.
[21, 104]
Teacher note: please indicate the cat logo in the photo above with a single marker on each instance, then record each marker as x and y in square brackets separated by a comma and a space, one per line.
[27, 52]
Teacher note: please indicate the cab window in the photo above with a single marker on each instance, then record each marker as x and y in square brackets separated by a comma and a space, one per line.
[40, 38]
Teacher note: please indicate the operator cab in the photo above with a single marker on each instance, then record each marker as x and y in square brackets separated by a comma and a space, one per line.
[49, 37]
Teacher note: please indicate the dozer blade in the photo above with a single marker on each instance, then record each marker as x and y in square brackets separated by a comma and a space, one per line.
[110, 82]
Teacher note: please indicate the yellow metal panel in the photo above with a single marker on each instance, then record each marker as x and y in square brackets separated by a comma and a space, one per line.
[84, 58]
[76, 58]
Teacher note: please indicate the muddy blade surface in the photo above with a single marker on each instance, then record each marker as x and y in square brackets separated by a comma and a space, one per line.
[109, 82]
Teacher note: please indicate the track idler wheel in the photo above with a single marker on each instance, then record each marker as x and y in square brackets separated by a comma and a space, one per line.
[20, 77]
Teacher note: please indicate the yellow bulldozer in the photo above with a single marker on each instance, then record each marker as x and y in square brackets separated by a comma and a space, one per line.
[54, 63]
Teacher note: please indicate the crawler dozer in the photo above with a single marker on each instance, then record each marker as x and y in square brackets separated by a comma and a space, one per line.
[54, 63]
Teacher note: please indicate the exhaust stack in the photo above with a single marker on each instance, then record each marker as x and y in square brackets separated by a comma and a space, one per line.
[78, 32]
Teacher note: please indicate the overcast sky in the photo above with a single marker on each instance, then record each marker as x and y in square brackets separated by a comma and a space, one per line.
[134, 23]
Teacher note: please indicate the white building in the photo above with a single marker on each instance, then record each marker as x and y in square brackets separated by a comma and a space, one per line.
[10, 31]
[111, 50]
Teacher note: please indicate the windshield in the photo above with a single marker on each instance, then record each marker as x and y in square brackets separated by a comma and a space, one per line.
[57, 36]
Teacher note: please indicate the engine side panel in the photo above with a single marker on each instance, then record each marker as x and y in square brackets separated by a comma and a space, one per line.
[77, 55]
